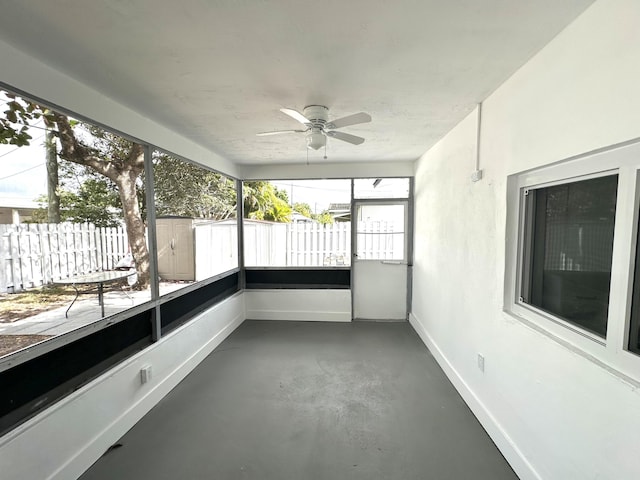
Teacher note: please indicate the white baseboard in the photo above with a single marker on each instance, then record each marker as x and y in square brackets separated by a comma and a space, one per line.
[63, 441]
[505, 444]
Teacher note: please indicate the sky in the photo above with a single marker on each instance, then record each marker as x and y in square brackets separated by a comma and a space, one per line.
[22, 169]
[23, 174]
[318, 194]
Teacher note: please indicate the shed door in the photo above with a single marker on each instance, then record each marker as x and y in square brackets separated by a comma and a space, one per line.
[175, 249]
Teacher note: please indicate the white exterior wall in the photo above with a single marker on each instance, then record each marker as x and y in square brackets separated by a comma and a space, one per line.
[554, 413]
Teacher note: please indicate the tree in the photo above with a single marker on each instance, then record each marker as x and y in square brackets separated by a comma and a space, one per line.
[263, 201]
[53, 195]
[14, 126]
[303, 209]
[95, 202]
[110, 155]
[122, 162]
[325, 218]
[188, 190]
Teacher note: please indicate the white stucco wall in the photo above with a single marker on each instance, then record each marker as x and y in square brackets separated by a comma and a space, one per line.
[554, 413]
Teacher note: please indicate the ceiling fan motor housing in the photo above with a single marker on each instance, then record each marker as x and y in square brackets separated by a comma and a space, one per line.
[317, 115]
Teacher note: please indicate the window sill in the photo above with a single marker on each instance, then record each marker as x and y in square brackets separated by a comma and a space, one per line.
[583, 345]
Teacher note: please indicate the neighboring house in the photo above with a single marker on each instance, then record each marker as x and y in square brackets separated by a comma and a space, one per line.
[341, 212]
[299, 218]
[15, 210]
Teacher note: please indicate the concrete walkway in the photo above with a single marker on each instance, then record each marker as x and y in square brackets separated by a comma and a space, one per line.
[84, 311]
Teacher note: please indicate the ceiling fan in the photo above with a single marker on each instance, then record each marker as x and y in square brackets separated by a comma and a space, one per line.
[318, 127]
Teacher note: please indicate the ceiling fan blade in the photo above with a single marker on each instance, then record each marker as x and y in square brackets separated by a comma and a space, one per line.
[296, 115]
[278, 132]
[346, 137]
[349, 120]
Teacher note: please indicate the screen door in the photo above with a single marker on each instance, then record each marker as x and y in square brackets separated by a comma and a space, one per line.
[380, 260]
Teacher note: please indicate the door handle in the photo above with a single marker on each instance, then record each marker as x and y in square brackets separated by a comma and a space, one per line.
[173, 244]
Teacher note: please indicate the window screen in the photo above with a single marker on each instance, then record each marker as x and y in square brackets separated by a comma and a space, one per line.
[381, 232]
[634, 332]
[568, 249]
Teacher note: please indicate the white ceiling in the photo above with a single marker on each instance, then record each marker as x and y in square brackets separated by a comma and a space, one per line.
[217, 71]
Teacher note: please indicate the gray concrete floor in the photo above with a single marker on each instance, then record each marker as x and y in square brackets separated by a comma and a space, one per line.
[296, 400]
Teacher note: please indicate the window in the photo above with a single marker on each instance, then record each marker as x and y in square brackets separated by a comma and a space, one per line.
[196, 224]
[380, 234]
[77, 223]
[634, 328]
[297, 223]
[573, 254]
[568, 248]
[73, 225]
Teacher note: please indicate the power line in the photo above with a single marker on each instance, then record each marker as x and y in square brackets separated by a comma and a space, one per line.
[18, 148]
[22, 171]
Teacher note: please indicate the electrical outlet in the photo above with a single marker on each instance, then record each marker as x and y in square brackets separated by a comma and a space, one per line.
[481, 362]
[145, 374]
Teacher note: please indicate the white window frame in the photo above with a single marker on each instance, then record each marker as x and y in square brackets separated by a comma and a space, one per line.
[612, 351]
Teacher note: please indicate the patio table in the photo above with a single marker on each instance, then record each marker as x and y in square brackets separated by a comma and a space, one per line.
[100, 279]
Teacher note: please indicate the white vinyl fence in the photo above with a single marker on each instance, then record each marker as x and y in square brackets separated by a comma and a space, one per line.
[314, 244]
[37, 254]
[270, 244]
[216, 248]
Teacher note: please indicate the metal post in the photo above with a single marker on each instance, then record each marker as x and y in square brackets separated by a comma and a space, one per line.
[152, 241]
[410, 237]
[353, 247]
[240, 226]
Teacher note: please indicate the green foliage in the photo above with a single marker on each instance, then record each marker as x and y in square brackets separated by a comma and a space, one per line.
[188, 190]
[303, 209]
[279, 211]
[281, 194]
[95, 202]
[18, 116]
[263, 201]
[325, 218]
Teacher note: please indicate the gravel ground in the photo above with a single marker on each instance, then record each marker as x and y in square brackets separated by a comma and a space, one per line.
[11, 343]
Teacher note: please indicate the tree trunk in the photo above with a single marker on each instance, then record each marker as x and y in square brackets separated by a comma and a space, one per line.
[123, 172]
[127, 189]
[53, 203]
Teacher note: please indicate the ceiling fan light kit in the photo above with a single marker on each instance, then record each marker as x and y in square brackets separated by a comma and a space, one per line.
[318, 128]
[316, 139]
